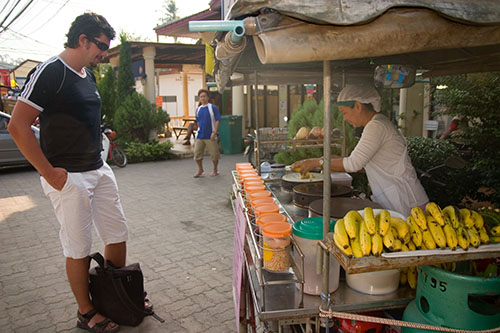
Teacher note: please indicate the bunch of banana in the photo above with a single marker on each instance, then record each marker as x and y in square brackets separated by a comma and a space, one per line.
[408, 275]
[469, 226]
[491, 218]
[361, 236]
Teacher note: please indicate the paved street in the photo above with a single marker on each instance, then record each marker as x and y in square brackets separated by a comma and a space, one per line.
[181, 232]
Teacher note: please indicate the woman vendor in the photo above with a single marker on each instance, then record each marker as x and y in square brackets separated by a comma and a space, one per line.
[381, 151]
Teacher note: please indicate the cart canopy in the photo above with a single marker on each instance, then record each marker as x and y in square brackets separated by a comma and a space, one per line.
[288, 40]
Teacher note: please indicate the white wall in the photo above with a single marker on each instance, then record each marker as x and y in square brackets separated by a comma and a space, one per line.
[171, 85]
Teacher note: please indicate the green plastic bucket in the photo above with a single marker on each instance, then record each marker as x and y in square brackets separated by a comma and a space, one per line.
[454, 300]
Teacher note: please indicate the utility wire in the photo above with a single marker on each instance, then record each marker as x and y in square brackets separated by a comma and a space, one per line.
[4, 6]
[41, 25]
[8, 14]
[17, 16]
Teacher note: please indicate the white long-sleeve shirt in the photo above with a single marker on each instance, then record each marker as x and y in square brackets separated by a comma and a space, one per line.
[393, 180]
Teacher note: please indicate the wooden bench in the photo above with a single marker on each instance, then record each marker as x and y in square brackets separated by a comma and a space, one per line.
[178, 131]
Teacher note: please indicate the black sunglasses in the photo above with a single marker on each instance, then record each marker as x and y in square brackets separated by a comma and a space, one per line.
[102, 46]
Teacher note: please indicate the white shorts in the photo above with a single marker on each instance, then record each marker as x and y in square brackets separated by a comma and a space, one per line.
[87, 198]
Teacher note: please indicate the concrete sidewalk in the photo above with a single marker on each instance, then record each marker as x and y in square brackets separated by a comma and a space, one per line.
[181, 232]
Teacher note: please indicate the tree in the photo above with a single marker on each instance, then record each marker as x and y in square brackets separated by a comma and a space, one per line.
[107, 90]
[169, 10]
[126, 81]
[476, 97]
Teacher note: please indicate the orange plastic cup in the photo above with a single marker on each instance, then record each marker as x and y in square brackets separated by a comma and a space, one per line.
[240, 166]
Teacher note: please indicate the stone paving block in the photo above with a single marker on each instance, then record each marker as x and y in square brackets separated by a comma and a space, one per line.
[182, 238]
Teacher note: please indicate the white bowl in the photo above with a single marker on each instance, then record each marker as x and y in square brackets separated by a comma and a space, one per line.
[374, 283]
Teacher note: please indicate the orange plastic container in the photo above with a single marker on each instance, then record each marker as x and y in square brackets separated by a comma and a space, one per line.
[276, 246]
[254, 188]
[261, 201]
[271, 218]
[266, 209]
[244, 166]
[259, 194]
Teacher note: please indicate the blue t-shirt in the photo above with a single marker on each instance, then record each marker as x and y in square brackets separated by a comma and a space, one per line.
[204, 121]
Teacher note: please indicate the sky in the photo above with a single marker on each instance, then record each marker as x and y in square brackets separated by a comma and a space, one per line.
[40, 32]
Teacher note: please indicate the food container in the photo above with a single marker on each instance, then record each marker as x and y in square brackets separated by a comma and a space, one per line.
[261, 201]
[269, 218]
[341, 178]
[254, 188]
[254, 183]
[266, 209]
[374, 283]
[259, 194]
[307, 233]
[276, 246]
[249, 179]
[244, 166]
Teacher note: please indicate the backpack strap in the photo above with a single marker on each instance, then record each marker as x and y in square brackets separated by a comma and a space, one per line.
[98, 259]
[125, 299]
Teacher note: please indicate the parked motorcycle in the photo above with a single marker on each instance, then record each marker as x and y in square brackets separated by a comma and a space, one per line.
[111, 151]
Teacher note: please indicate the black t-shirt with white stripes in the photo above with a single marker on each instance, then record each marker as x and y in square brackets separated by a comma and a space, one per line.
[70, 118]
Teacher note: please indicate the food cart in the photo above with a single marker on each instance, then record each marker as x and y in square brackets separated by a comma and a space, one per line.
[296, 42]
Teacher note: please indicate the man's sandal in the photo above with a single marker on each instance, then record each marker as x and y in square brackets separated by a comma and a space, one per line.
[101, 327]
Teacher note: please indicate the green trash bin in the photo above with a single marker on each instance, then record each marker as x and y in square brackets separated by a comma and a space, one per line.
[230, 134]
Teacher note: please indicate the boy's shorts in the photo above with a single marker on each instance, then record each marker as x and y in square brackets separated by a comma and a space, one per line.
[199, 148]
[87, 198]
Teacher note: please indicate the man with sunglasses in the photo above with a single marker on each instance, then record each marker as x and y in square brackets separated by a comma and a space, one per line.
[62, 92]
[381, 151]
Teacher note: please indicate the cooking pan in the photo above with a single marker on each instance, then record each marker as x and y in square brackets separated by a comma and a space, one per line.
[339, 206]
[292, 179]
[304, 194]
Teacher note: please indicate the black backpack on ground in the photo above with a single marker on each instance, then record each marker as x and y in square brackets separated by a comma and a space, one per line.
[118, 293]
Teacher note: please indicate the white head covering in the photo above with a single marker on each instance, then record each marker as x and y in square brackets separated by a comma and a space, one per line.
[362, 94]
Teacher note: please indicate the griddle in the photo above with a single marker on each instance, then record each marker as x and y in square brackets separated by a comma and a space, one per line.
[304, 194]
[288, 182]
[339, 206]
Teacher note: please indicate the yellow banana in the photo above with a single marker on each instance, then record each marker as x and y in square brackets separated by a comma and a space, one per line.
[478, 219]
[495, 239]
[404, 248]
[436, 232]
[377, 245]
[435, 211]
[412, 277]
[411, 246]
[423, 246]
[341, 233]
[397, 246]
[466, 217]
[495, 231]
[347, 250]
[452, 214]
[428, 241]
[365, 240]
[451, 236]
[416, 233]
[463, 238]
[474, 237]
[356, 247]
[483, 235]
[403, 276]
[352, 220]
[402, 228]
[389, 240]
[384, 220]
[419, 216]
[371, 226]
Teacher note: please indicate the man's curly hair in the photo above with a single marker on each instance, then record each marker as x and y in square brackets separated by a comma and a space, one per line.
[91, 25]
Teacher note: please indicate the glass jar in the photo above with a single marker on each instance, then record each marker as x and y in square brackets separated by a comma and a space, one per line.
[276, 246]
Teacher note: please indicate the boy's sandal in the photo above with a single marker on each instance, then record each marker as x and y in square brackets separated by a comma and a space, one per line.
[100, 327]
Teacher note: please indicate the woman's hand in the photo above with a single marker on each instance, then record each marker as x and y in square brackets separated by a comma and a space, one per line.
[306, 165]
